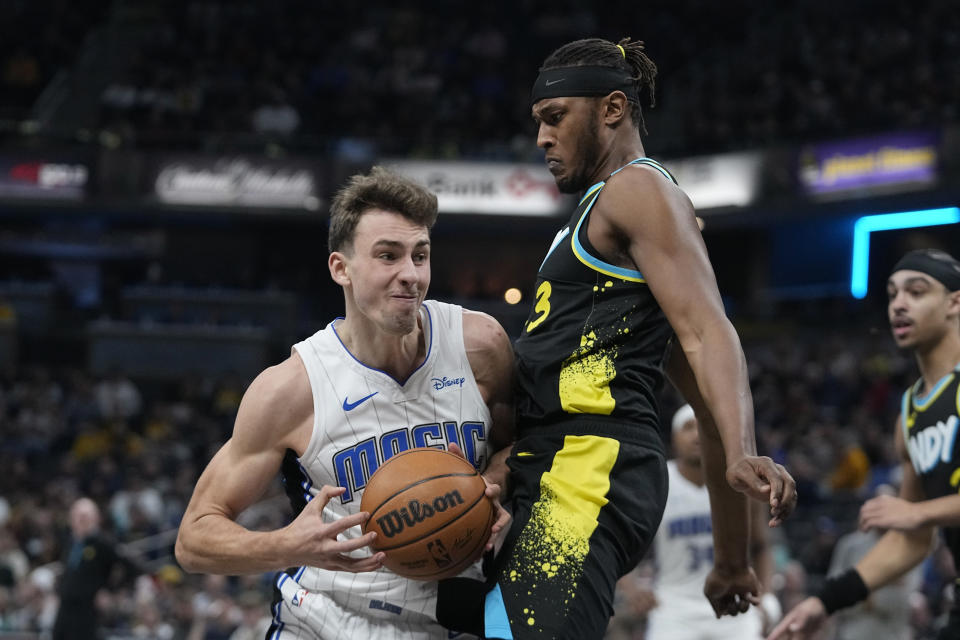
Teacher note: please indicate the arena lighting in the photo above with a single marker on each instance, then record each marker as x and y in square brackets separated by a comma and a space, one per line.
[885, 222]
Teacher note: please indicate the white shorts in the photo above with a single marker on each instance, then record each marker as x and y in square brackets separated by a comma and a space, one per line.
[304, 615]
[746, 626]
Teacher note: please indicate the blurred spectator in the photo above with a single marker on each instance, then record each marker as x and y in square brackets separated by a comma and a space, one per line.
[815, 554]
[276, 116]
[14, 564]
[442, 71]
[887, 612]
[117, 396]
[88, 567]
[254, 621]
[37, 602]
[853, 467]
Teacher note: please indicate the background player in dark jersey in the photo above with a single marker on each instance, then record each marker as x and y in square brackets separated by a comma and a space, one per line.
[924, 313]
[628, 272]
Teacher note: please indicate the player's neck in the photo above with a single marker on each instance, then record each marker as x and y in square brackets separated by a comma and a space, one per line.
[624, 150]
[938, 360]
[397, 355]
[691, 472]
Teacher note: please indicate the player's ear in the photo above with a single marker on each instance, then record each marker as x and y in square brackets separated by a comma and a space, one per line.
[339, 271]
[953, 302]
[614, 108]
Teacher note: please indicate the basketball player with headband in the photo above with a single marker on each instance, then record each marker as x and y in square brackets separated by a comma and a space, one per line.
[923, 308]
[624, 280]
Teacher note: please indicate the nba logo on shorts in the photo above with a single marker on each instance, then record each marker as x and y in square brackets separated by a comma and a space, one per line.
[298, 597]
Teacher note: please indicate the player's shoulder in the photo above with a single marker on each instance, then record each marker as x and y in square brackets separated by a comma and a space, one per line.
[279, 398]
[482, 332]
[641, 182]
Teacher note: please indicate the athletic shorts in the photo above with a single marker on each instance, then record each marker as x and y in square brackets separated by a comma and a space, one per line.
[677, 626]
[302, 615]
[588, 496]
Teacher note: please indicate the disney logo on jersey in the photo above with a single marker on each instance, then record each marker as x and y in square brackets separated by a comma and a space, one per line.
[933, 445]
[444, 382]
[354, 465]
[396, 520]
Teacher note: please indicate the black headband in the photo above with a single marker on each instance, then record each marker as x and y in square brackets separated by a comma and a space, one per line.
[583, 81]
[938, 265]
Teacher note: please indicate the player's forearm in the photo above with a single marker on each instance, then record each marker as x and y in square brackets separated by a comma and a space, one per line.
[215, 544]
[940, 512]
[717, 361]
[728, 508]
[894, 554]
[497, 471]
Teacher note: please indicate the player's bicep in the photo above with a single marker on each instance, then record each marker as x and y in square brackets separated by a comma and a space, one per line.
[233, 480]
[491, 358]
[249, 461]
[668, 249]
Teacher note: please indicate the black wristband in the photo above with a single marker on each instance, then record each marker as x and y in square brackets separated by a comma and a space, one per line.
[844, 590]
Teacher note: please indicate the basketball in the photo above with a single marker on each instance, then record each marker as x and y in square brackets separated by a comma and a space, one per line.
[430, 513]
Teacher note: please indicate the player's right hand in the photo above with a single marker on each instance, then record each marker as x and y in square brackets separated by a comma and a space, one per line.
[316, 543]
[731, 592]
[803, 621]
[762, 479]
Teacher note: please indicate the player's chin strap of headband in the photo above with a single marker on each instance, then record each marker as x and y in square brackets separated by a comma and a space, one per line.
[946, 271]
[583, 81]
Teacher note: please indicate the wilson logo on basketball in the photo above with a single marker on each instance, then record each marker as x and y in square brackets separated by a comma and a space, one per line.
[393, 522]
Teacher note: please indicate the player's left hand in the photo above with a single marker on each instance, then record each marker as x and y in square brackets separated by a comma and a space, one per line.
[762, 479]
[731, 592]
[803, 621]
[889, 512]
[502, 523]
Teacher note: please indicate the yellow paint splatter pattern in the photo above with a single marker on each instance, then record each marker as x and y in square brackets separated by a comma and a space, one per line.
[585, 377]
[549, 555]
[555, 541]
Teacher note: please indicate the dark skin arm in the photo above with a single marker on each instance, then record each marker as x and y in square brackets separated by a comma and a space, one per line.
[732, 583]
[665, 245]
[709, 368]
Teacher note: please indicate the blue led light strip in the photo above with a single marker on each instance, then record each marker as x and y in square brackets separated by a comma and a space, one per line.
[885, 222]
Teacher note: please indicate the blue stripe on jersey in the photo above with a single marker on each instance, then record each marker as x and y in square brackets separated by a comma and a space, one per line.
[306, 484]
[496, 624]
[581, 252]
[400, 382]
[594, 263]
[649, 162]
[599, 185]
[921, 403]
[278, 624]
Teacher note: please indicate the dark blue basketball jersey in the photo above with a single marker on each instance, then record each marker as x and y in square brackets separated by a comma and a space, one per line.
[930, 424]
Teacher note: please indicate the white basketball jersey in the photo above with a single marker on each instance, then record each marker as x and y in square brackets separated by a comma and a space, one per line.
[683, 551]
[362, 417]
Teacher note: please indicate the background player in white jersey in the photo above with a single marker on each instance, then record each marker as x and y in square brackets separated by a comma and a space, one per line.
[675, 605]
[394, 373]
